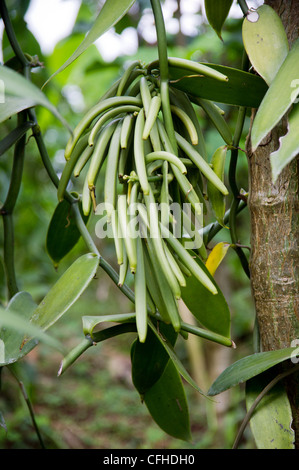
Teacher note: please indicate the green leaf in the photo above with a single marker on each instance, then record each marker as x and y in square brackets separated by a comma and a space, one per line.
[217, 13]
[149, 359]
[63, 233]
[66, 290]
[14, 136]
[16, 327]
[20, 94]
[91, 321]
[265, 41]
[282, 93]
[241, 89]
[249, 367]
[174, 358]
[289, 145]
[111, 12]
[210, 310]
[167, 404]
[272, 418]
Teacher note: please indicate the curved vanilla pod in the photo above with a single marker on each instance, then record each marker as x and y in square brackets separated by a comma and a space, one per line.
[188, 123]
[118, 111]
[184, 184]
[168, 156]
[155, 236]
[85, 156]
[140, 294]
[145, 94]
[216, 198]
[181, 100]
[95, 111]
[164, 286]
[153, 285]
[191, 67]
[174, 266]
[193, 232]
[188, 260]
[217, 119]
[153, 111]
[139, 153]
[164, 195]
[130, 242]
[126, 130]
[99, 153]
[128, 77]
[69, 166]
[201, 164]
[86, 198]
[118, 241]
[111, 178]
[123, 268]
[126, 157]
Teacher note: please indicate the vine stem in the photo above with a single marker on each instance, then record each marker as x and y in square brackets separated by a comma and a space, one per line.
[257, 401]
[29, 406]
[163, 65]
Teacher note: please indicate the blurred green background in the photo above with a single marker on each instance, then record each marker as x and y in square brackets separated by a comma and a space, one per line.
[94, 405]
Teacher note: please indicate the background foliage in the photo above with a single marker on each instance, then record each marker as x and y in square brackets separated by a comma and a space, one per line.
[94, 404]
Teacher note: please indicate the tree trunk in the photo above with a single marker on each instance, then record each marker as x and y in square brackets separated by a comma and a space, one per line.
[274, 236]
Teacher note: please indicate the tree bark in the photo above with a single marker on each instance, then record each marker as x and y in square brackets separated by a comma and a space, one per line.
[274, 236]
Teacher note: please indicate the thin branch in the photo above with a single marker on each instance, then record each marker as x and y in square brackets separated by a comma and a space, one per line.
[29, 406]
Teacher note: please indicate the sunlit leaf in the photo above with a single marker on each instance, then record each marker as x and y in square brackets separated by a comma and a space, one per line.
[111, 12]
[20, 94]
[16, 329]
[167, 404]
[272, 418]
[210, 310]
[265, 41]
[217, 13]
[289, 145]
[66, 291]
[282, 93]
[249, 367]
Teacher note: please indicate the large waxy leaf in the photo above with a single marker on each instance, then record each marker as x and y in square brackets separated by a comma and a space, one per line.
[272, 418]
[111, 12]
[265, 41]
[217, 13]
[167, 404]
[150, 358]
[15, 327]
[210, 310]
[20, 94]
[66, 291]
[63, 233]
[282, 93]
[249, 367]
[241, 89]
[289, 145]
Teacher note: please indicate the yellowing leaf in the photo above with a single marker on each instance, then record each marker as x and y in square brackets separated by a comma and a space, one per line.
[216, 256]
